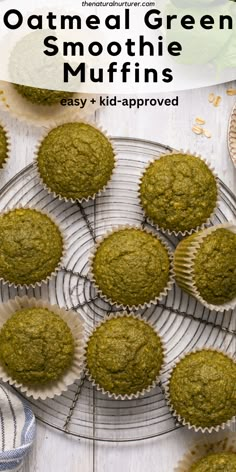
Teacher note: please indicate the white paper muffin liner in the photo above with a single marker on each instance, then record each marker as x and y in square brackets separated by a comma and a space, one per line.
[8, 141]
[178, 417]
[232, 135]
[184, 266]
[48, 189]
[41, 115]
[132, 396]
[120, 305]
[74, 322]
[192, 230]
[215, 443]
[64, 248]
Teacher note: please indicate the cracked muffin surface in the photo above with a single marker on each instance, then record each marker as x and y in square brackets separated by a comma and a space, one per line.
[124, 355]
[31, 246]
[40, 96]
[178, 192]
[216, 462]
[75, 160]
[36, 346]
[214, 268]
[131, 267]
[202, 388]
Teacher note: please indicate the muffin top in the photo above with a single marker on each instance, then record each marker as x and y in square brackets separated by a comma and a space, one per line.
[216, 462]
[215, 267]
[31, 246]
[131, 267]
[178, 192]
[124, 355]
[36, 346]
[202, 388]
[3, 146]
[75, 160]
[40, 96]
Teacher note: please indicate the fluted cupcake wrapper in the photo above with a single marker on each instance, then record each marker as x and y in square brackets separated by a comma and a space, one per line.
[184, 258]
[8, 140]
[40, 115]
[64, 248]
[215, 443]
[178, 417]
[132, 396]
[47, 188]
[74, 372]
[121, 306]
[232, 135]
[192, 230]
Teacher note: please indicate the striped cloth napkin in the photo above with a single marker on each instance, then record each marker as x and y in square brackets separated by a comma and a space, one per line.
[17, 429]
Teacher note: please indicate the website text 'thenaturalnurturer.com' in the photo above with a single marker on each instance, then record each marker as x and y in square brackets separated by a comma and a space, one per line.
[113, 3]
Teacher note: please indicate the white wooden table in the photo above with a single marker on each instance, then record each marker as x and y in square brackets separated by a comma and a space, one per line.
[56, 452]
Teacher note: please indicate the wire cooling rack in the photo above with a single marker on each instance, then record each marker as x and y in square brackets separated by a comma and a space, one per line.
[181, 321]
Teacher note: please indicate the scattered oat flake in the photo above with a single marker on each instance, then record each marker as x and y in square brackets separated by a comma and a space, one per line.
[231, 91]
[217, 101]
[200, 121]
[207, 133]
[197, 129]
[211, 97]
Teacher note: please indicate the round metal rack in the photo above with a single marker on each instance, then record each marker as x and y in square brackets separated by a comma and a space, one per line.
[181, 321]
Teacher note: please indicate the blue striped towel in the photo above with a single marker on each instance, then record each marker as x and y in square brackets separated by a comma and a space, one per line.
[17, 429]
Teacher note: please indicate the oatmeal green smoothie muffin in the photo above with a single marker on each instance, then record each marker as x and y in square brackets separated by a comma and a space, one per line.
[31, 246]
[36, 346]
[75, 161]
[3, 146]
[202, 388]
[212, 274]
[178, 192]
[131, 267]
[124, 355]
[216, 462]
[40, 96]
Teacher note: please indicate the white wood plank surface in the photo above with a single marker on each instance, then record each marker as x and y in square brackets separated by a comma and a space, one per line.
[56, 452]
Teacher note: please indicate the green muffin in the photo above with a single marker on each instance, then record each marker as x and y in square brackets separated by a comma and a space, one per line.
[3, 146]
[178, 192]
[124, 355]
[213, 265]
[131, 267]
[202, 388]
[36, 346]
[40, 96]
[216, 462]
[75, 160]
[31, 246]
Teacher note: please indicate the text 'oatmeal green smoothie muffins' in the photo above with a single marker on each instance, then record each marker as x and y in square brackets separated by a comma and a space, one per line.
[205, 266]
[124, 356]
[178, 192]
[131, 267]
[31, 246]
[75, 161]
[201, 390]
